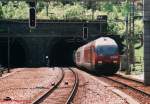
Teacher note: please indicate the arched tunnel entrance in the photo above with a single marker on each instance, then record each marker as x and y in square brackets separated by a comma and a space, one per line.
[62, 53]
[17, 56]
[17, 53]
[3, 52]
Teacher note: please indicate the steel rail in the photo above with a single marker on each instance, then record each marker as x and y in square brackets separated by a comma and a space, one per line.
[45, 95]
[128, 78]
[74, 89]
[129, 86]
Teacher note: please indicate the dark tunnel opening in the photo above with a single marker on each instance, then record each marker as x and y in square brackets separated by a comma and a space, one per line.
[17, 54]
[3, 52]
[62, 54]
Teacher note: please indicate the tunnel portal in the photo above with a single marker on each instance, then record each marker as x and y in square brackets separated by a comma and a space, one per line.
[29, 47]
[17, 54]
[62, 53]
[3, 52]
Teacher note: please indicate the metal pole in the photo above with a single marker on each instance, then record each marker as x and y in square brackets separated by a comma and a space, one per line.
[127, 50]
[46, 9]
[8, 54]
[146, 42]
[93, 6]
[131, 35]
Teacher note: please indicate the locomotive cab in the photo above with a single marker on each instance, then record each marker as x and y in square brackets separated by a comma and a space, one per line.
[108, 58]
[107, 54]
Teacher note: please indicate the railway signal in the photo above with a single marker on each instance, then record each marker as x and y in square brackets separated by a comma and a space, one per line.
[32, 17]
[85, 33]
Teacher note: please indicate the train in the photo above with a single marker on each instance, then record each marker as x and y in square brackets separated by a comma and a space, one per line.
[100, 56]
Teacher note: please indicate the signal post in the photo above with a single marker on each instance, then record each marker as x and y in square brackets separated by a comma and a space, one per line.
[32, 14]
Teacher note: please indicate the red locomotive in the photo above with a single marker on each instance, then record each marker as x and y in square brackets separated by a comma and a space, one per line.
[100, 55]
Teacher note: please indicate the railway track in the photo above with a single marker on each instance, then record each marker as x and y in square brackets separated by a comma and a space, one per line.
[94, 91]
[42, 97]
[130, 83]
[74, 89]
[133, 88]
[25, 84]
[62, 92]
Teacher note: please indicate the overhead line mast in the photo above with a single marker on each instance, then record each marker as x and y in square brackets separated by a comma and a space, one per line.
[131, 36]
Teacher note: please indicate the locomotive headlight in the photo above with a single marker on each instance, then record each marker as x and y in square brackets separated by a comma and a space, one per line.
[114, 56]
[99, 62]
[114, 61]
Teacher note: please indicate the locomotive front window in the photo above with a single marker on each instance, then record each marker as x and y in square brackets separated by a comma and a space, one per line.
[106, 50]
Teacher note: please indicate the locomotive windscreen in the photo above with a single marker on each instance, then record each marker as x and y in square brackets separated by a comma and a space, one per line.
[107, 50]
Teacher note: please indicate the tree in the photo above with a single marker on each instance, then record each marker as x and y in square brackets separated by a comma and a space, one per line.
[1, 11]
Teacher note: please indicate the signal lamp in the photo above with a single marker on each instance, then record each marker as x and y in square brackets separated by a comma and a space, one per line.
[85, 33]
[32, 17]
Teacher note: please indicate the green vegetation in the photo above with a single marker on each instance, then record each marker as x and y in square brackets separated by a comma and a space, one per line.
[14, 10]
[73, 11]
